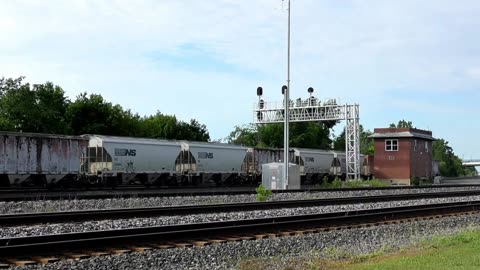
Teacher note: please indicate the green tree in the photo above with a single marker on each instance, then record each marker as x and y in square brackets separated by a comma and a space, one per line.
[303, 135]
[40, 108]
[198, 131]
[168, 127]
[366, 143]
[402, 124]
[310, 135]
[450, 165]
[91, 114]
[244, 135]
[43, 108]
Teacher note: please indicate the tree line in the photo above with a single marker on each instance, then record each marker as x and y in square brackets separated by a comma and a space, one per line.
[44, 108]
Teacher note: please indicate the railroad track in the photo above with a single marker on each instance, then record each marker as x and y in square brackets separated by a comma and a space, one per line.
[123, 213]
[77, 245]
[138, 192]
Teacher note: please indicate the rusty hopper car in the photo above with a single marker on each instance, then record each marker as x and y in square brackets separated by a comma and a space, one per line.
[39, 159]
[115, 160]
[256, 157]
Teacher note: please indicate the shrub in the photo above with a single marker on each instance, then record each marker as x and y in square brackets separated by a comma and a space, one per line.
[415, 181]
[262, 193]
[336, 183]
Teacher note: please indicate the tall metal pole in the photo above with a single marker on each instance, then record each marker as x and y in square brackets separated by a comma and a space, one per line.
[287, 103]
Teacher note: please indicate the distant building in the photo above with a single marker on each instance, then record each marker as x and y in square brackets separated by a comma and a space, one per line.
[402, 153]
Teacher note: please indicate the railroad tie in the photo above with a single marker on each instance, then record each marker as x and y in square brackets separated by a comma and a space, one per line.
[45, 260]
[117, 251]
[139, 248]
[77, 256]
[271, 235]
[20, 262]
[286, 233]
[97, 253]
[200, 243]
[245, 237]
[180, 244]
[216, 241]
[162, 246]
[260, 236]
[231, 238]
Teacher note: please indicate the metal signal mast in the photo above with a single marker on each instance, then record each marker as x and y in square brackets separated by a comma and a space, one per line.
[311, 110]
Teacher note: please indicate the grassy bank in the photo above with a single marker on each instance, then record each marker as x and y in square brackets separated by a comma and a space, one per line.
[461, 251]
[455, 252]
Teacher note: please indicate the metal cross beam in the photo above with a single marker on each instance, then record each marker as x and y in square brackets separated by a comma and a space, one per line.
[313, 110]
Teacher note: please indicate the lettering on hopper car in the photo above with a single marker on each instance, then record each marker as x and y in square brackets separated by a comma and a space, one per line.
[309, 159]
[125, 152]
[205, 155]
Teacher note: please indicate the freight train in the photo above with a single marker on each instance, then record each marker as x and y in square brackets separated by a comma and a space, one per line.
[58, 160]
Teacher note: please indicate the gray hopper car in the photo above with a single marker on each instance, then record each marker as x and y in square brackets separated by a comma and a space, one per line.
[211, 162]
[39, 159]
[314, 164]
[117, 160]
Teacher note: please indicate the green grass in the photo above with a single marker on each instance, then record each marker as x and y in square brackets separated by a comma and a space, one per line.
[337, 183]
[461, 251]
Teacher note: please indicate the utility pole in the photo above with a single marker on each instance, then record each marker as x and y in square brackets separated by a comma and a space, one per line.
[287, 104]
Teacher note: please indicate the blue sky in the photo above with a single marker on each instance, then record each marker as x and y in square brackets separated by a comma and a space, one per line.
[414, 60]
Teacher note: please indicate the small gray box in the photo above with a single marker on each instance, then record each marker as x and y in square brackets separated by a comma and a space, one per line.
[272, 176]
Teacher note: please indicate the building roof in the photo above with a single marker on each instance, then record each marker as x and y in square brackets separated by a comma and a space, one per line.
[402, 134]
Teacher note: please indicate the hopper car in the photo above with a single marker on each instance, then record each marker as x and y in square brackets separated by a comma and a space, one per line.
[51, 160]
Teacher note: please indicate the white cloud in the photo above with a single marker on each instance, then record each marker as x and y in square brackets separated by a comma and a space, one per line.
[473, 72]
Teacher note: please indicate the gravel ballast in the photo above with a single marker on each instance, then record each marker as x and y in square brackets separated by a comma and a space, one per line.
[56, 228]
[278, 251]
[38, 206]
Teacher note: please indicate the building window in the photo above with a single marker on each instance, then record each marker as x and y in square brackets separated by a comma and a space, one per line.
[426, 147]
[391, 145]
[414, 145]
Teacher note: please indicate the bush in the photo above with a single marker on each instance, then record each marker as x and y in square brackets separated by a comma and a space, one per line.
[370, 183]
[336, 183]
[415, 181]
[262, 193]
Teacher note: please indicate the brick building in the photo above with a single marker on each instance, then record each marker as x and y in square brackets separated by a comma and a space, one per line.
[402, 153]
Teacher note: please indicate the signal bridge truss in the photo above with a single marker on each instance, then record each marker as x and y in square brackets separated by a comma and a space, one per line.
[313, 110]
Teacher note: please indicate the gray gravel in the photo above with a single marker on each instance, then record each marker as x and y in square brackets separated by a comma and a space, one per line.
[278, 251]
[44, 229]
[74, 205]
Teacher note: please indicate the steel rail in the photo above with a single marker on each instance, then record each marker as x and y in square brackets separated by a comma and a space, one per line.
[23, 195]
[75, 216]
[48, 244]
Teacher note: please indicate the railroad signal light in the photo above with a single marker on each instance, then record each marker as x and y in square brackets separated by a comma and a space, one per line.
[284, 88]
[310, 90]
[259, 91]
